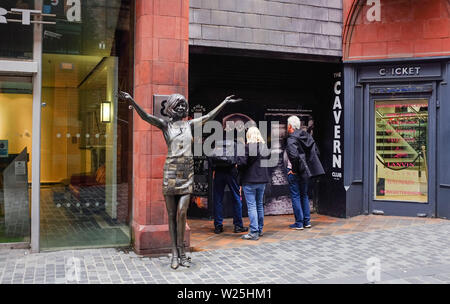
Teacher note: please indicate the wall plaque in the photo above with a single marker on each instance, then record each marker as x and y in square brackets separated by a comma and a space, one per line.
[159, 106]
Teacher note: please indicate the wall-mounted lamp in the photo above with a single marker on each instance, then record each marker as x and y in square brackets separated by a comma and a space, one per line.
[105, 111]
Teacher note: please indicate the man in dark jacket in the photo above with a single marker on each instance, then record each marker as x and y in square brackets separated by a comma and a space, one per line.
[302, 162]
[226, 173]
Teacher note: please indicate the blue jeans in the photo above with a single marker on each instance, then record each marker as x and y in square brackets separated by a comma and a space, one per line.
[254, 194]
[220, 180]
[300, 200]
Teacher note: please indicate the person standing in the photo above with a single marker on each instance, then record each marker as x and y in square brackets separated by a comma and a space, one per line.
[302, 162]
[225, 173]
[254, 177]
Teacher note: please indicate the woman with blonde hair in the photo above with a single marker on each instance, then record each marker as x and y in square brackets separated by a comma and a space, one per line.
[254, 177]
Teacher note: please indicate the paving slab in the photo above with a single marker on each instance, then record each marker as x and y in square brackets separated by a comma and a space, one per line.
[406, 254]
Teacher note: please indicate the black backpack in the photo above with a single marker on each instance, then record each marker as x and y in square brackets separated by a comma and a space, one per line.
[224, 154]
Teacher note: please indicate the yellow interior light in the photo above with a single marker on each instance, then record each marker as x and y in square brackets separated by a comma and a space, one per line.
[105, 111]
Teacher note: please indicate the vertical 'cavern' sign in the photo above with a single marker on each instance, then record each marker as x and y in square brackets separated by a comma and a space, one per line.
[337, 155]
[332, 194]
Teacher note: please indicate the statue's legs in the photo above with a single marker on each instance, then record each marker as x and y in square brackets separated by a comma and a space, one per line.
[171, 205]
[181, 228]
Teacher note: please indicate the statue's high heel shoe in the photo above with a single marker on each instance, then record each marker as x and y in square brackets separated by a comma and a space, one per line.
[184, 260]
[174, 262]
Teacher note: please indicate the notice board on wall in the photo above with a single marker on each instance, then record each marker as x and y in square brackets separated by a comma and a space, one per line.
[277, 195]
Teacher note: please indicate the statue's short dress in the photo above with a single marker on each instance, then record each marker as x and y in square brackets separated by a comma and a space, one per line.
[179, 165]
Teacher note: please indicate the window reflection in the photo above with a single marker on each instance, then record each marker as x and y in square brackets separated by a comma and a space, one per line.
[16, 102]
[19, 37]
[401, 171]
[85, 160]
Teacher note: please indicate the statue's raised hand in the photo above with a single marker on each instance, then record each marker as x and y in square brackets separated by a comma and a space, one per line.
[125, 96]
[231, 99]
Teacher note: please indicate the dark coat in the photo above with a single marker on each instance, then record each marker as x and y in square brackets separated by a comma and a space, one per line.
[250, 169]
[303, 154]
[228, 149]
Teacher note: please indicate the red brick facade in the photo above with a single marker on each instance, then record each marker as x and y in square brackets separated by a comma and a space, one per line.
[407, 28]
[161, 67]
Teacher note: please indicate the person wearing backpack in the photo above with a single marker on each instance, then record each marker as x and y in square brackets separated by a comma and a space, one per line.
[224, 165]
[302, 162]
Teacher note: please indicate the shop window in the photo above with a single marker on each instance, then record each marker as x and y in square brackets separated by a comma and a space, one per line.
[85, 147]
[17, 38]
[16, 102]
[401, 141]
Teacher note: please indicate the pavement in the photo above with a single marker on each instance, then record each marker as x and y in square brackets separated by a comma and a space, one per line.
[418, 251]
[276, 229]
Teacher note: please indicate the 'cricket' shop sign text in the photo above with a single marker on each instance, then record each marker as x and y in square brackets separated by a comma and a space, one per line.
[400, 71]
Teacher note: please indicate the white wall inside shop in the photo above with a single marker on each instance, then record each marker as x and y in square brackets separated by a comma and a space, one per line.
[16, 123]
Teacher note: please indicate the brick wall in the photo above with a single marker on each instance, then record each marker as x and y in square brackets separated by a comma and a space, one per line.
[408, 28]
[294, 26]
[161, 67]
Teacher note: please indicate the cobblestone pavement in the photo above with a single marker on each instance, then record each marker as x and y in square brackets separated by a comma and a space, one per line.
[414, 254]
[276, 229]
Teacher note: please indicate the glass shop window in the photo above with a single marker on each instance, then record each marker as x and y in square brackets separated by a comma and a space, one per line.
[401, 145]
[86, 130]
[17, 38]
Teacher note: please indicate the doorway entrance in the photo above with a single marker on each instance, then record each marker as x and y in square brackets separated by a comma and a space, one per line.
[273, 89]
[16, 100]
[402, 149]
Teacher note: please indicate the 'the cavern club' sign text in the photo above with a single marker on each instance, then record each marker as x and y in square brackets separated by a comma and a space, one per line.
[337, 139]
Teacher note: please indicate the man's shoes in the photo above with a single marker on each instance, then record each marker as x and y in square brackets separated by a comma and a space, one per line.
[250, 236]
[218, 229]
[296, 227]
[238, 229]
[307, 225]
[261, 234]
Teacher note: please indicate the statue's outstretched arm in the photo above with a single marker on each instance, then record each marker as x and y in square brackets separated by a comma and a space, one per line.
[153, 120]
[203, 119]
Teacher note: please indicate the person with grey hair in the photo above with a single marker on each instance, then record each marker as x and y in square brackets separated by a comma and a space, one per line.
[301, 159]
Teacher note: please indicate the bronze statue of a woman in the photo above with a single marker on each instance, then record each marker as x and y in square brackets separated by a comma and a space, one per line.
[179, 166]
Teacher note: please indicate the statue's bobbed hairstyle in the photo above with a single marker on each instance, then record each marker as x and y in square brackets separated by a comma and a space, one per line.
[172, 103]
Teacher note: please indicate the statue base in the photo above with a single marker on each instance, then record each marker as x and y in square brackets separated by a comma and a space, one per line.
[154, 240]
